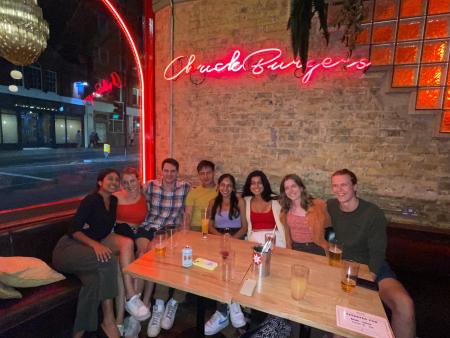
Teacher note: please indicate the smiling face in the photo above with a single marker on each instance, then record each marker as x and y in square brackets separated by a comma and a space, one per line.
[206, 176]
[343, 188]
[256, 186]
[293, 190]
[130, 183]
[170, 173]
[226, 187]
[110, 183]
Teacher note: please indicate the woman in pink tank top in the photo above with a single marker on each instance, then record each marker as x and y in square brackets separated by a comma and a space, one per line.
[305, 217]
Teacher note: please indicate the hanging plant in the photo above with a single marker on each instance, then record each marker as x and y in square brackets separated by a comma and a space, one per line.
[301, 14]
[350, 17]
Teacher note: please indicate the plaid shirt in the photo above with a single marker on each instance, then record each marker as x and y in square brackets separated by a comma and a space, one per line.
[165, 207]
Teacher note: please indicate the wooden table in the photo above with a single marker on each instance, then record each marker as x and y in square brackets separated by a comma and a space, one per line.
[318, 308]
[168, 270]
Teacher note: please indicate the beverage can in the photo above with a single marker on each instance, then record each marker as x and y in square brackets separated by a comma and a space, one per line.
[186, 257]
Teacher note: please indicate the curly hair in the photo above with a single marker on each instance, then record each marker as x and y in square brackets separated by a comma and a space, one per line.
[267, 194]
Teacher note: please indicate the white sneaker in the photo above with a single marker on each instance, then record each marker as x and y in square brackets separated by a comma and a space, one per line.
[216, 323]
[154, 325]
[136, 308]
[169, 314]
[132, 327]
[121, 329]
[236, 315]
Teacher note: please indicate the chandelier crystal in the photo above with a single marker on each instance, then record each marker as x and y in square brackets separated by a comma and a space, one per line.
[23, 31]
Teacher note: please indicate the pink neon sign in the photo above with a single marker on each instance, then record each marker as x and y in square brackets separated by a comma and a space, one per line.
[258, 62]
[103, 87]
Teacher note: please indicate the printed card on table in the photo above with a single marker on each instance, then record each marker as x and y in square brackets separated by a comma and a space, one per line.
[366, 323]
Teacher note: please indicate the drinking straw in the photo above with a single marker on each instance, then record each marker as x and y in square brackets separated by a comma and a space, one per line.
[266, 245]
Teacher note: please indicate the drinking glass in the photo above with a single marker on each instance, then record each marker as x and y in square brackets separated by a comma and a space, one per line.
[350, 271]
[272, 237]
[171, 240]
[335, 253]
[205, 222]
[160, 243]
[225, 246]
[299, 279]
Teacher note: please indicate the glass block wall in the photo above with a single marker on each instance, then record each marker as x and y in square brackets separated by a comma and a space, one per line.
[413, 36]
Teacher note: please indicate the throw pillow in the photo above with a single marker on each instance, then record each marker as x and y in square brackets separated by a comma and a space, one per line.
[24, 272]
[7, 292]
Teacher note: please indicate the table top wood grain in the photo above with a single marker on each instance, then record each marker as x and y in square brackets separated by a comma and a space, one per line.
[273, 293]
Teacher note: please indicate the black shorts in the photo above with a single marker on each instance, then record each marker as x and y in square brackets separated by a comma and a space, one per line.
[126, 230]
[310, 247]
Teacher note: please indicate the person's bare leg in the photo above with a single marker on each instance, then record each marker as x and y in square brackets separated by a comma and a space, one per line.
[397, 299]
[125, 247]
[78, 334]
[109, 321]
[143, 245]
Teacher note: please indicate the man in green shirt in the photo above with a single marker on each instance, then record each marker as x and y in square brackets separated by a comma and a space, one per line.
[361, 227]
[199, 197]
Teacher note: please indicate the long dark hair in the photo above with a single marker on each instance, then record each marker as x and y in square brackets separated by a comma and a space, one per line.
[234, 205]
[267, 194]
[102, 174]
[286, 203]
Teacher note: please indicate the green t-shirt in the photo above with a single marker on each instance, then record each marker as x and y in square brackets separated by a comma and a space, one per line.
[362, 231]
[199, 198]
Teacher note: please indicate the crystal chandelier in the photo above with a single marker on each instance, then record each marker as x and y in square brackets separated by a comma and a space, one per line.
[23, 31]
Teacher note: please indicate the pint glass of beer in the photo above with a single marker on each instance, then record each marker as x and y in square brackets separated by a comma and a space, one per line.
[350, 271]
[299, 279]
[335, 253]
[160, 243]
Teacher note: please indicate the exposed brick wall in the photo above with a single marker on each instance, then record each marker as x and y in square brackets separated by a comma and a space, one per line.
[276, 124]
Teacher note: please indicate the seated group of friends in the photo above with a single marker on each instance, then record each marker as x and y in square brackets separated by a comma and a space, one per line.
[116, 223]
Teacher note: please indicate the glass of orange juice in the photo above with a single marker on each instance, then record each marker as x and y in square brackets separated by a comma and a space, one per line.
[205, 222]
[299, 279]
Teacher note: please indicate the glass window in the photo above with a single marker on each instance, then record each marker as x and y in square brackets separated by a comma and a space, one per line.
[50, 78]
[73, 126]
[9, 128]
[135, 96]
[60, 130]
[33, 77]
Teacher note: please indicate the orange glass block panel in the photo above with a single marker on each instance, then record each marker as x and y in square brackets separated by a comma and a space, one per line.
[428, 98]
[431, 75]
[381, 56]
[437, 27]
[447, 98]
[438, 6]
[407, 53]
[404, 77]
[363, 36]
[412, 8]
[409, 30]
[384, 10]
[445, 122]
[435, 51]
[448, 77]
[383, 33]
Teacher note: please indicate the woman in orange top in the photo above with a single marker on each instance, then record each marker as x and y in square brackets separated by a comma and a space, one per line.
[131, 212]
[304, 216]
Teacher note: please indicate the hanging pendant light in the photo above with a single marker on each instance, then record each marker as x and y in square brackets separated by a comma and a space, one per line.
[23, 31]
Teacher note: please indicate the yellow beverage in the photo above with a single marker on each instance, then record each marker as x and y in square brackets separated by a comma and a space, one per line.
[334, 256]
[348, 284]
[205, 223]
[298, 287]
[160, 250]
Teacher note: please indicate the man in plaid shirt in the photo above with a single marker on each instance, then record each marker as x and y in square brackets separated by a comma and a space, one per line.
[165, 199]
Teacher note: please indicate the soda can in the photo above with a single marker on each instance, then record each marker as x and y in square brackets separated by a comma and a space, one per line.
[186, 257]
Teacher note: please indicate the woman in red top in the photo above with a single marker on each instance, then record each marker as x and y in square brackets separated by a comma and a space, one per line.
[262, 209]
[131, 212]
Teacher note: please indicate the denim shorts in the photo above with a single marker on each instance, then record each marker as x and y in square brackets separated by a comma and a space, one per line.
[126, 230]
[385, 271]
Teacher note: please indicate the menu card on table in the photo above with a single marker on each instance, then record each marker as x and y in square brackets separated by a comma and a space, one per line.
[362, 322]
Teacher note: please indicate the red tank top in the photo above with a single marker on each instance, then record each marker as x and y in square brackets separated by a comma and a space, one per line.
[262, 220]
[132, 213]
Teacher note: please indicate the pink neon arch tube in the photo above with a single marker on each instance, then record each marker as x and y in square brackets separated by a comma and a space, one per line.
[143, 151]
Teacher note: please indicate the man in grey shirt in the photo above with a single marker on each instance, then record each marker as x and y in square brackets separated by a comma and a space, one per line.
[361, 227]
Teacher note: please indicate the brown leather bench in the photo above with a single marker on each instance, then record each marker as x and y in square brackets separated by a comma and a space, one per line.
[46, 310]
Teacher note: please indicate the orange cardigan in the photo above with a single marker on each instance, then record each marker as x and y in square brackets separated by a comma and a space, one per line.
[318, 218]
